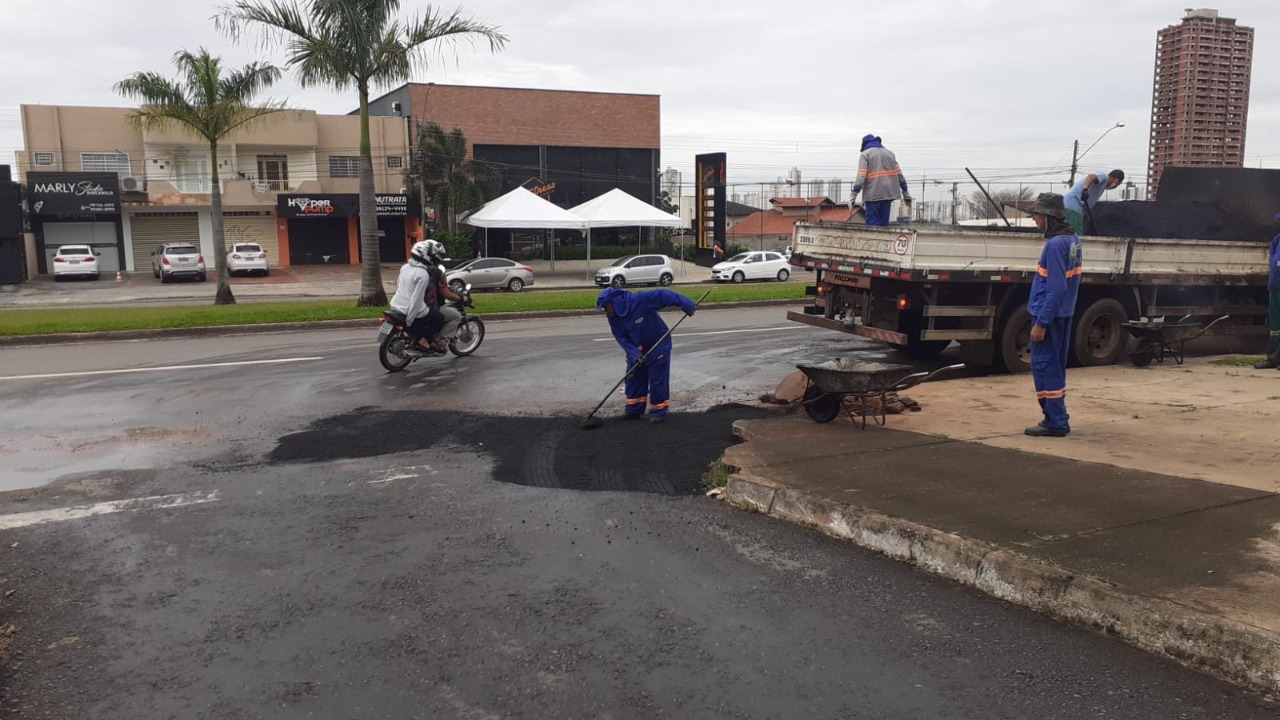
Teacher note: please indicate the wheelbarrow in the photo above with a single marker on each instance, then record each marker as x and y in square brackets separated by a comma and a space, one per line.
[1158, 339]
[829, 384]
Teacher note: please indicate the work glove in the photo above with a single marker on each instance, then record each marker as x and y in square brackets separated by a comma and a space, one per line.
[691, 311]
[906, 198]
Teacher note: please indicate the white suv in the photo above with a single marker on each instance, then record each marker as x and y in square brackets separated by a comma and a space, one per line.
[637, 269]
[172, 260]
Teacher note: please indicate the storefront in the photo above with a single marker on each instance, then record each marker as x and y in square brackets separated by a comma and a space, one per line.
[324, 229]
[69, 208]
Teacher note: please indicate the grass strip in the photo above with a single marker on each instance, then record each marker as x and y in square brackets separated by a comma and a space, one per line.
[1247, 361]
[107, 319]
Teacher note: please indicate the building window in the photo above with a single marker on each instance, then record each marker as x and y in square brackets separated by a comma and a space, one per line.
[344, 166]
[105, 162]
[273, 173]
[395, 161]
[42, 158]
[191, 174]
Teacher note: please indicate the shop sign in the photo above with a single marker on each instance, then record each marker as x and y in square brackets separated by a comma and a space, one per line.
[392, 205]
[340, 205]
[78, 194]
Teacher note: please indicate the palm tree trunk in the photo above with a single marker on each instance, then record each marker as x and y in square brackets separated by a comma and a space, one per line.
[223, 296]
[372, 294]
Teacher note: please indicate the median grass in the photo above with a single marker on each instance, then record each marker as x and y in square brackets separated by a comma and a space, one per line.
[107, 319]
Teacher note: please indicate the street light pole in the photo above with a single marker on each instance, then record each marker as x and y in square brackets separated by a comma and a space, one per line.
[1075, 159]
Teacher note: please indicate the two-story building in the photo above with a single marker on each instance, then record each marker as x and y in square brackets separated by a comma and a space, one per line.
[289, 183]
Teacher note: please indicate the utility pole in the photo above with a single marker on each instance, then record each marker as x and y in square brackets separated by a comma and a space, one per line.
[955, 201]
[1075, 163]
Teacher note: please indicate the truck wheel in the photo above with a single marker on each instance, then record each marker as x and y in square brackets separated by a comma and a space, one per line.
[1099, 337]
[1015, 340]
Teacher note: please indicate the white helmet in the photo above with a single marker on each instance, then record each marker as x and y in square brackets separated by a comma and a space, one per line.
[427, 251]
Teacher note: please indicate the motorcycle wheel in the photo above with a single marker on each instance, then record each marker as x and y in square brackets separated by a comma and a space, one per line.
[468, 338]
[393, 352]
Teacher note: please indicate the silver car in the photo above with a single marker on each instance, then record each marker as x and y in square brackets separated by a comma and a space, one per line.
[490, 273]
[637, 270]
[172, 260]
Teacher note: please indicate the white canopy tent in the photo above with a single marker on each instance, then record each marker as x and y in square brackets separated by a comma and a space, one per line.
[617, 208]
[522, 209]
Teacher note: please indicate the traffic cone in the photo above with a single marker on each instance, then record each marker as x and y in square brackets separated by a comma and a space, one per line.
[119, 277]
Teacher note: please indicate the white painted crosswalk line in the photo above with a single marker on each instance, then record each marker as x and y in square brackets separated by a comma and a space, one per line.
[154, 502]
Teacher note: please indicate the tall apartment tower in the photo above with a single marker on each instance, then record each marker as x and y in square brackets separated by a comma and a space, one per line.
[1200, 99]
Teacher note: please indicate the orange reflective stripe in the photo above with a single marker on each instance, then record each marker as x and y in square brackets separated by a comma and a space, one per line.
[1074, 272]
[883, 173]
[637, 401]
[1042, 272]
[1051, 394]
[660, 406]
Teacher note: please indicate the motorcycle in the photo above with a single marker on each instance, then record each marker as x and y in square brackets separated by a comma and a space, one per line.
[397, 348]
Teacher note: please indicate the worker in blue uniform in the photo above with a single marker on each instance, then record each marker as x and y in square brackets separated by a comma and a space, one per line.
[637, 326]
[1273, 312]
[1053, 303]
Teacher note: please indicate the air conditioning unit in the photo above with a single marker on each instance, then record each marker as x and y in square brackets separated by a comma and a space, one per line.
[132, 184]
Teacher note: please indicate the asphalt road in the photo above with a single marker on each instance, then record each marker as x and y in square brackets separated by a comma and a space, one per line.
[269, 526]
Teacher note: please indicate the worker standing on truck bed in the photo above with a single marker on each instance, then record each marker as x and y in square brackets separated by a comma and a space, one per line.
[1053, 303]
[1089, 189]
[1273, 311]
[880, 180]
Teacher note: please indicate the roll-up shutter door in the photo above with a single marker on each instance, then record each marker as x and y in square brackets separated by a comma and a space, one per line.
[151, 230]
[253, 227]
[100, 235]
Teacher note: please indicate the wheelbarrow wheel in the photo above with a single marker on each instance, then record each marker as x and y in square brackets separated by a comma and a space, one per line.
[1143, 353]
[821, 407]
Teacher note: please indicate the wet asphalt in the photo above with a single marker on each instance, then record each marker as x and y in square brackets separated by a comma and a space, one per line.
[447, 543]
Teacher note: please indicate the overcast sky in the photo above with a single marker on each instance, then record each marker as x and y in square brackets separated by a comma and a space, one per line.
[999, 86]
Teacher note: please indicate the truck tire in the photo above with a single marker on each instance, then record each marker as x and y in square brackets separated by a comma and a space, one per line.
[1015, 340]
[1099, 337]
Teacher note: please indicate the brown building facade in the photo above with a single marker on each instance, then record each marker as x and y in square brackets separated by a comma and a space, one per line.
[1200, 99]
[93, 177]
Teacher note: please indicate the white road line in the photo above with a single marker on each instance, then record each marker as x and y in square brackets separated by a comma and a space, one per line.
[716, 332]
[155, 502]
[154, 369]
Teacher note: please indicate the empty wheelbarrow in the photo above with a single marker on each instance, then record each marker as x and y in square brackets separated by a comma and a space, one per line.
[831, 383]
[1158, 339]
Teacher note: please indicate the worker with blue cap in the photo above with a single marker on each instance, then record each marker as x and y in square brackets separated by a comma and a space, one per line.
[638, 327]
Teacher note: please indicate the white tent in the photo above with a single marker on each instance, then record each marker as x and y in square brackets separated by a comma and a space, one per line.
[524, 210]
[617, 208]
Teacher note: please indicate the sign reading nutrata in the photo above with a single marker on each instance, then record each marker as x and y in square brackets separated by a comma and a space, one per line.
[392, 205]
[343, 205]
[80, 194]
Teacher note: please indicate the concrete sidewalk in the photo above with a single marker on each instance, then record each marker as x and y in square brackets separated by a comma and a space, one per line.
[313, 281]
[1156, 520]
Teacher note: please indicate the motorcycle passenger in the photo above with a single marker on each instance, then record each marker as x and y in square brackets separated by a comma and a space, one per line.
[412, 288]
[442, 319]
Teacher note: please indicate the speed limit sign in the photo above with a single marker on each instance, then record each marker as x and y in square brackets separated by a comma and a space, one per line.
[902, 244]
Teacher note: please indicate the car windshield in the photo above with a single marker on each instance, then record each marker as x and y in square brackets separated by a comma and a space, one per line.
[621, 261]
[74, 251]
[181, 250]
[740, 257]
[464, 266]
[248, 248]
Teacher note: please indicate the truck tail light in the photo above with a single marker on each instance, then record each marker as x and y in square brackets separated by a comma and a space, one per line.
[903, 303]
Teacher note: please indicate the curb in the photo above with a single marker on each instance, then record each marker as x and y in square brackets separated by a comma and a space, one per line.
[370, 322]
[1238, 653]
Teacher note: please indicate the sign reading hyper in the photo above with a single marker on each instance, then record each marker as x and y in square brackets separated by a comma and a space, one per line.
[70, 193]
[311, 206]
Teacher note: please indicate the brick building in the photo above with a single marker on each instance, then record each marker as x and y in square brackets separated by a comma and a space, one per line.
[574, 145]
[1200, 98]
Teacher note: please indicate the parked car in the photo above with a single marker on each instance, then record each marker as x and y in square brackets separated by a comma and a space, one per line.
[490, 273]
[752, 266]
[636, 270]
[247, 258]
[172, 260]
[75, 261]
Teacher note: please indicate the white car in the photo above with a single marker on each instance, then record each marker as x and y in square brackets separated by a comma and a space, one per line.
[636, 270]
[75, 261]
[752, 266]
[247, 258]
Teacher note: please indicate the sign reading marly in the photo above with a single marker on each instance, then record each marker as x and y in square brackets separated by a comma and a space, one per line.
[79, 194]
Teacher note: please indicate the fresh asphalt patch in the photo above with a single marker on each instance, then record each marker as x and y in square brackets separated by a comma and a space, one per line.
[668, 458]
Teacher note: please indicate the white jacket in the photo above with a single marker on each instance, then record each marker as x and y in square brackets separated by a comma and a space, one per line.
[410, 299]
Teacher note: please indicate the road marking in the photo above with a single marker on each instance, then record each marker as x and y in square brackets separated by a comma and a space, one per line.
[393, 474]
[719, 332]
[121, 371]
[154, 502]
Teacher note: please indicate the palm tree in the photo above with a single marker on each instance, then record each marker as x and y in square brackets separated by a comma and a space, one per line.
[360, 44]
[455, 183]
[209, 104]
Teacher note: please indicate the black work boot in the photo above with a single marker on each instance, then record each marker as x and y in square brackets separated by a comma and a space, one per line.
[1043, 430]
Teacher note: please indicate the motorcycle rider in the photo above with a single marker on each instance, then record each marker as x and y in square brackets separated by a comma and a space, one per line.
[442, 319]
[418, 289]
